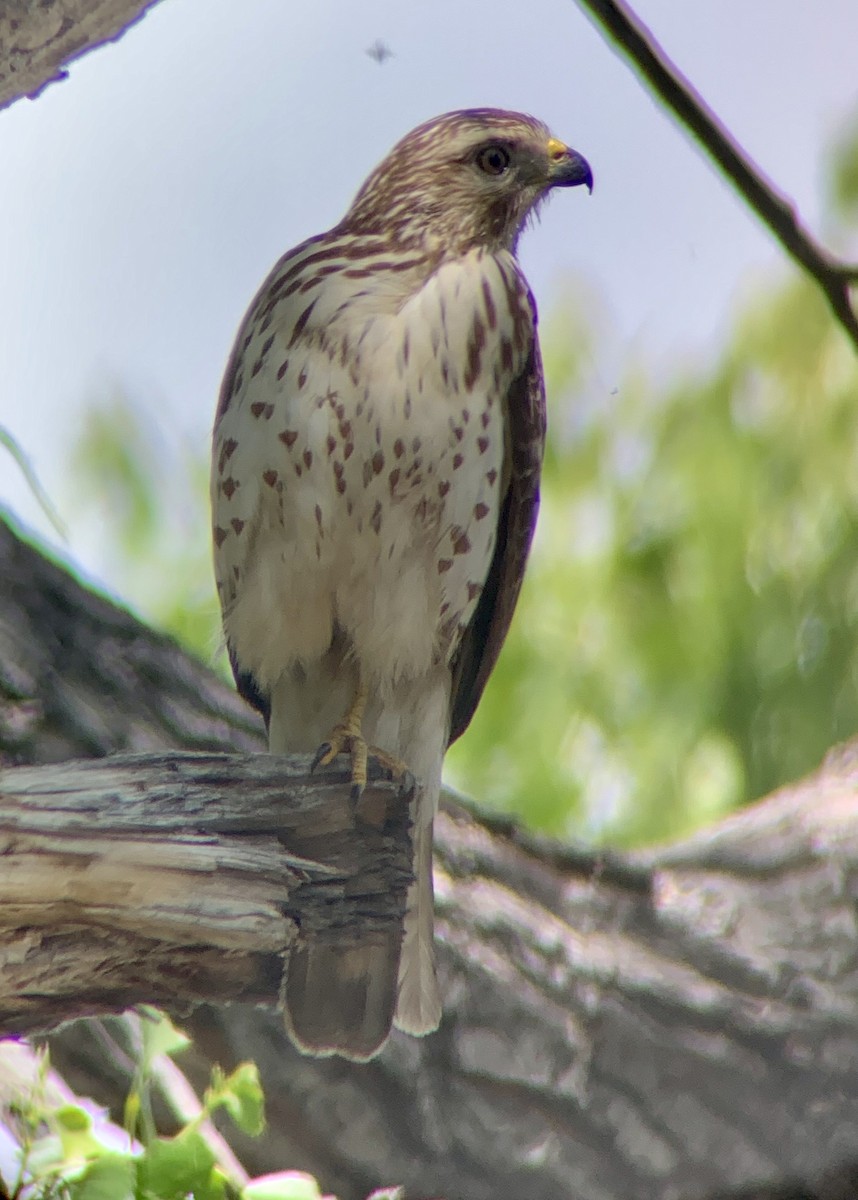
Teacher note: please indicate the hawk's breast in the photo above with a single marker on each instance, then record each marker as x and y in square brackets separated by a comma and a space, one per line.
[361, 466]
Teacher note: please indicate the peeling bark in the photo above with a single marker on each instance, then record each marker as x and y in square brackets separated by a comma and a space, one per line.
[170, 879]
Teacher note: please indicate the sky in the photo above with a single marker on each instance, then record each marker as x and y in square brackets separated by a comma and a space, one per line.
[145, 197]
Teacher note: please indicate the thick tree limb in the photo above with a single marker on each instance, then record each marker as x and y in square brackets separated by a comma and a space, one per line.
[80, 677]
[680, 1023]
[169, 879]
[623, 29]
[39, 40]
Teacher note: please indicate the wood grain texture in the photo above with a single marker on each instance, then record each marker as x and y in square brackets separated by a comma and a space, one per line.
[171, 879]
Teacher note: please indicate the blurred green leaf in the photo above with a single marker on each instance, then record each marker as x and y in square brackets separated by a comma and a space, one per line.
[173, 1168]
[150, 502]
[159, 1034]
[74, 1128]
[111, 1177]
[240, 1093]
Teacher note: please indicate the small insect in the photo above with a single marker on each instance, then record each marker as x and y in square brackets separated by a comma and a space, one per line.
[379, 51]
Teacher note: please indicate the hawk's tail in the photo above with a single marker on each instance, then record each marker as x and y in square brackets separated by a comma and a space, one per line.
[418, 1007]
[340, 996]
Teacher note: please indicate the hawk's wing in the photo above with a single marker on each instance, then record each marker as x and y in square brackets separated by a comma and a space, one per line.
[223, 561]
[484, 637]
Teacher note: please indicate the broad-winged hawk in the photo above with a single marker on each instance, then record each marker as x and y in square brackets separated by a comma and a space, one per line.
[375, 482]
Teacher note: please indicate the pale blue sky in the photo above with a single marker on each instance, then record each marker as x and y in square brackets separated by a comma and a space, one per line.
[144, 199]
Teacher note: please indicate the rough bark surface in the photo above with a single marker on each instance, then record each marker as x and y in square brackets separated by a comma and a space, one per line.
[39, 40]
[681, 1023]
[171, 878]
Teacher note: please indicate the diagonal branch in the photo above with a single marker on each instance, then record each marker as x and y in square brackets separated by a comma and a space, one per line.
[623, 28]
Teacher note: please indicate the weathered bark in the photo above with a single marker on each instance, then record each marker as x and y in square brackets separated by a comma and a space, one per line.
[39, 40]
[80, 677]
[677, 1023]
[166, 879]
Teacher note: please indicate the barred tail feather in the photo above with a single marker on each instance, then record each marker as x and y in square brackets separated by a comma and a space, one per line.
[339, 995]
[345, 988]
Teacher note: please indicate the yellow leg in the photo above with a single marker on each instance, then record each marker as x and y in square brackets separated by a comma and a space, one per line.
[347, 738]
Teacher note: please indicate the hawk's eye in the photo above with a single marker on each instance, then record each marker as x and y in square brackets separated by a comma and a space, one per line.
[493, 160]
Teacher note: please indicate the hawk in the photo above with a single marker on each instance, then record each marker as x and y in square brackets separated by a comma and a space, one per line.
[375, 483]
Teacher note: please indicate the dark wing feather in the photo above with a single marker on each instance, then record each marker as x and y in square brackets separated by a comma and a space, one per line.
[485, 635]
[244, 681]
[248, 689]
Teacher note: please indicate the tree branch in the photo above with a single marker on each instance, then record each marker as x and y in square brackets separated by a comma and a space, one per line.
[38, 41]
[623, 28]
[170, 879]
[676, 1023]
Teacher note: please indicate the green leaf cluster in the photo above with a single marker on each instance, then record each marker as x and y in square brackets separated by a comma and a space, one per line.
[68, 1153]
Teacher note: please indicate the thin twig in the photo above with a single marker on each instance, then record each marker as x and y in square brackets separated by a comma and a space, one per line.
[624, 29]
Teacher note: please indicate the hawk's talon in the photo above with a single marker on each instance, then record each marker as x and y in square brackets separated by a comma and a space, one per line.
[395, 768]
[344, 741]
[320, 758]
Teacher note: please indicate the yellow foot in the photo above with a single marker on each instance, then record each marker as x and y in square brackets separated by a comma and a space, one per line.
[344, 740]
[347, 738]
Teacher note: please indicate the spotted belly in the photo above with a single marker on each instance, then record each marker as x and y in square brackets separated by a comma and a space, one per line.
[381, 526]
[359, 478]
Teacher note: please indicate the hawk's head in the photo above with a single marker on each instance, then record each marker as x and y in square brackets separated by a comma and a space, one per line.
[465, 179]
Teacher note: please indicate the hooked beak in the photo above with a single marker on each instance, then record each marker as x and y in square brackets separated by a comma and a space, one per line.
[568, 168]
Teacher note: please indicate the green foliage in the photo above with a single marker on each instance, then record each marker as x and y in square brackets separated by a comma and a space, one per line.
[241, 1096]
[686, 638]
[150, 502]
[68, 1154]
[173, 1168]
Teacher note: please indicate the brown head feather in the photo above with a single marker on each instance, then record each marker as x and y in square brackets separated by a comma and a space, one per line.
[432, 192]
